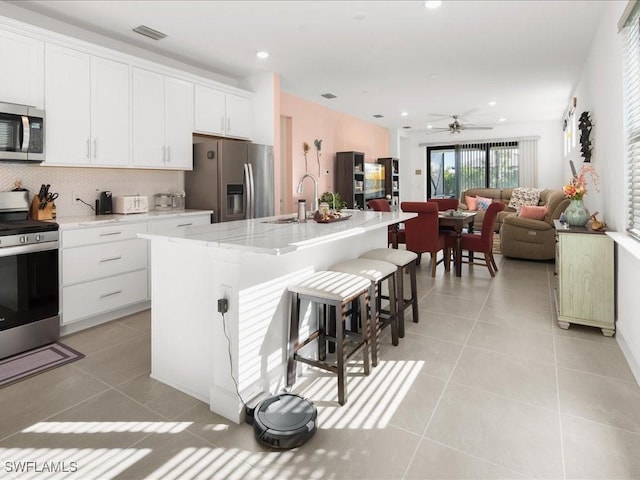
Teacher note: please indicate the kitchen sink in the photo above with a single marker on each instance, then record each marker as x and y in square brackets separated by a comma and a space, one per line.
[283, 220]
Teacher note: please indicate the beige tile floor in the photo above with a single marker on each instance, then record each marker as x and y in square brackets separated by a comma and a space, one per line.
[484, 386]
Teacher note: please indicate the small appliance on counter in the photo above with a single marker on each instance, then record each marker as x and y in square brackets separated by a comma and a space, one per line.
[163, 201]
[177, 199]
[125, 204]
[105, 205]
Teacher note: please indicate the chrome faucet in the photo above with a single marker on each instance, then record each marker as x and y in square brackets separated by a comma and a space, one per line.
[315, 189]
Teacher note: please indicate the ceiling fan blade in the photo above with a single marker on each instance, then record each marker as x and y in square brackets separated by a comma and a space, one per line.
[468, 127]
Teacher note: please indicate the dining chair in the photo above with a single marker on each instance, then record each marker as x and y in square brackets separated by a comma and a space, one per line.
[395, 234]
[422, 233]
[445, 203]
[482, 243]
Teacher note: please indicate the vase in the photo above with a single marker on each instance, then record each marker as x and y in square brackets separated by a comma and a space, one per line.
[577, 215]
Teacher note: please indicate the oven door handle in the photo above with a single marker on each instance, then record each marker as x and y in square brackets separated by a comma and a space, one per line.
[21, 249]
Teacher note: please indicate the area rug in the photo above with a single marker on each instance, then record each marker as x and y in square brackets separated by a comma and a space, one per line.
[38, 360]
[496, 244]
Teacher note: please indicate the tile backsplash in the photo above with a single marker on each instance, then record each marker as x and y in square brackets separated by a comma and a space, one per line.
[87, 183]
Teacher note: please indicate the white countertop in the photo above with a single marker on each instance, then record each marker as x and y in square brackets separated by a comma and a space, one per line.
[259, 236]
[95, 220]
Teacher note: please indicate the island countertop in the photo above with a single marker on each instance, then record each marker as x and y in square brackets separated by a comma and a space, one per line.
[264, 235]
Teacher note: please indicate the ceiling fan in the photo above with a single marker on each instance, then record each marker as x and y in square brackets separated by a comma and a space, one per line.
[456, 126]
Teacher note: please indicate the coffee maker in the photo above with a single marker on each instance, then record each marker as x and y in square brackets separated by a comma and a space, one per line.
[105, 205]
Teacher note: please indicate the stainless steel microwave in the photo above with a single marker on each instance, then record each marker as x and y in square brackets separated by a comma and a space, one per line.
[21, 133]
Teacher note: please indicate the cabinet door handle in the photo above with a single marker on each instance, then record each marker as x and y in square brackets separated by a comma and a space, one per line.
[110, 259]
[108, 234]
[110, 294]
[222, 124]
[228, 124]
[95, 147]
[185, 224]
[88, 148]
[168, 153]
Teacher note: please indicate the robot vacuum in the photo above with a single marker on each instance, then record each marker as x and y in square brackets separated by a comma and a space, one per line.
[283, 421]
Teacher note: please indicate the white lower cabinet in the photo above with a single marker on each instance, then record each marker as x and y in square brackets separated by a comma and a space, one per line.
[104, 268]
[100, 296]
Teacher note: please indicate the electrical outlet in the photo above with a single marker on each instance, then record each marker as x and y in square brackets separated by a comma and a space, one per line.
[74, 197]
[225, 292]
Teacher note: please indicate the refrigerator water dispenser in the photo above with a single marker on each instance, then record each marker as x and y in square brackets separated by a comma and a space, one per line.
[235, 199]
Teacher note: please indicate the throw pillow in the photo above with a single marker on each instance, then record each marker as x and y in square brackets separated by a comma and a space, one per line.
[533, 212]
[524, 196]
[483, 203]
[472, 203]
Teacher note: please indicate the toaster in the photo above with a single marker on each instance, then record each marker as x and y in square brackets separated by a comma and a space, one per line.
[130, 204]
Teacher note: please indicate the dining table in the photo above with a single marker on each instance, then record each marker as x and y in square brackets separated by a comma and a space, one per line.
[457, 220]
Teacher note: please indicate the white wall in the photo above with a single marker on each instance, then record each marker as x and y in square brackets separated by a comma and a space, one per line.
[550, 173]
[599, 90]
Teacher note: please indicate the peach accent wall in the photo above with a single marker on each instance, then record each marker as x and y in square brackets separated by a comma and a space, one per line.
[339, 133]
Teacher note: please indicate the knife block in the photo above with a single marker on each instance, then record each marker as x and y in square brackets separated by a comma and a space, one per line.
[37, 213]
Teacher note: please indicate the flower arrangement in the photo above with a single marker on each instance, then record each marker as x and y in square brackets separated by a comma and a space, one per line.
[305, 149]
[577, 187]
[318, 144]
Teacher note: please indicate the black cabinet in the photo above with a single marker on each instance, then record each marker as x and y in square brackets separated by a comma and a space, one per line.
[349, 178]
[391, 179]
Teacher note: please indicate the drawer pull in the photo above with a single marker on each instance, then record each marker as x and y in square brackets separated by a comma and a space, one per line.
[105, 295]
[185, 225]
[108, 234]
[110, 259]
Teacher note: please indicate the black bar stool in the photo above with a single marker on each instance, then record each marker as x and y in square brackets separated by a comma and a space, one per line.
[335, 290]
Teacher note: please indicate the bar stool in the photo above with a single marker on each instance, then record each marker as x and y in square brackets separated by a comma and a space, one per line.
[376, 272]
[401, 259]
[335, 290]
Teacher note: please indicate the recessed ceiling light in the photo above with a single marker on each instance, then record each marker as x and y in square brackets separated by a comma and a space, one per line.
[431, 4]
[493, 103]
[404, 114]
[502, 119]
[429, 127]
[262, 54]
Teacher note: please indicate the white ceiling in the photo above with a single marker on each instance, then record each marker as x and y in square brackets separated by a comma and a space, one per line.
[378, 57]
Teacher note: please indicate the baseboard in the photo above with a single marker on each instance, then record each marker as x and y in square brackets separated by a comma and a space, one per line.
[627, 351]
[103, 318]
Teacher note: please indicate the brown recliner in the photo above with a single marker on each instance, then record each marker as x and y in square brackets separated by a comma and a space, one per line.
[533, 239]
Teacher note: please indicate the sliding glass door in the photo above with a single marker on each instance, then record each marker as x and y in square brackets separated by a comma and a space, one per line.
[456, 168]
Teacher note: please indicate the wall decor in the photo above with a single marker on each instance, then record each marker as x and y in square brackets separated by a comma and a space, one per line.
[585, 126]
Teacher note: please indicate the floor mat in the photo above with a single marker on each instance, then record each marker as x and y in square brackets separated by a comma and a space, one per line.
[38, 360]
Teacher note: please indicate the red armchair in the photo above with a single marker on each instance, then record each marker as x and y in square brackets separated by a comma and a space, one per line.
[422, 233]
[445, 203]
[395, 234]
[482, 243]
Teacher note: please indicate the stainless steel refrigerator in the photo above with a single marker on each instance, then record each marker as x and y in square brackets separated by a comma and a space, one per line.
[232, 178]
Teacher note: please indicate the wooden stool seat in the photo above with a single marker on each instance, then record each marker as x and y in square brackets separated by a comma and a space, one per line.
[375, 271]
[401, 259]
[334, 290]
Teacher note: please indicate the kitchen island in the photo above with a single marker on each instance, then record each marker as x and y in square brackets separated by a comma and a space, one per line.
[251, 263]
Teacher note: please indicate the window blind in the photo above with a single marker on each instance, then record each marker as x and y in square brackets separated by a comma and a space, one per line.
[632, 118]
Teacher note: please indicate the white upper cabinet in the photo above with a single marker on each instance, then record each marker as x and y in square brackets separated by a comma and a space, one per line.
[87, 105]
[210, 116]
[220, 113]
[239, 117]
[162, 110]
[22, 63]
[68, 106]
[110, 128]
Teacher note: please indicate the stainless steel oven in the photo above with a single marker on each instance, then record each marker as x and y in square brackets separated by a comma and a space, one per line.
[21, 133]
[29, 306]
